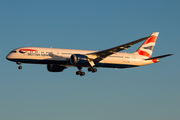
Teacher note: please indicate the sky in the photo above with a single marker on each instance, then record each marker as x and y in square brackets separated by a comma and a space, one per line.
[144, 93]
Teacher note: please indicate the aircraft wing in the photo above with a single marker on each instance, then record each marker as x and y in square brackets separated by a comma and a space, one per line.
[96, 57]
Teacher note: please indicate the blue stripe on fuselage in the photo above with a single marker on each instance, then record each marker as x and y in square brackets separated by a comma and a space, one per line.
[109, 65]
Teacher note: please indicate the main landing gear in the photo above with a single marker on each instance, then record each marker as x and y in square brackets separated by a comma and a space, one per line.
[19, 63]
[81, 73]
[91, 69]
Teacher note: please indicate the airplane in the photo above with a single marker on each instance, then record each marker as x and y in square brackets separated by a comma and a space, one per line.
[59, 59]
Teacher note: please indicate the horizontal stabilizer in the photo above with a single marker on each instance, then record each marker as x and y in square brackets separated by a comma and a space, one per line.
[158, 57]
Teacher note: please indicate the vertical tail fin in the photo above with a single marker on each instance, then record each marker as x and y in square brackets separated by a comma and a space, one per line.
[147, 47]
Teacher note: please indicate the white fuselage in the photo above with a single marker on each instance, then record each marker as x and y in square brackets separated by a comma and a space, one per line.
[40, 55]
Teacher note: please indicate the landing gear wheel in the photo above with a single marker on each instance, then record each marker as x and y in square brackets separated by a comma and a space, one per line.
[20, 67]
[78, 72]
[82, 74]
[90, 69]
[94, 70]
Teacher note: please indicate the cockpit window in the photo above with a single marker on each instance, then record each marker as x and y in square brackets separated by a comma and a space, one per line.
[13, 51]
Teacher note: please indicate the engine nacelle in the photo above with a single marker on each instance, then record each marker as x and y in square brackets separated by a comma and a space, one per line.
[55, 68]
[78, 59]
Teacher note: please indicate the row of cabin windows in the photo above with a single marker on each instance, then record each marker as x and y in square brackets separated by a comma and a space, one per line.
[71, 54]
[37, 52]
[120, 56]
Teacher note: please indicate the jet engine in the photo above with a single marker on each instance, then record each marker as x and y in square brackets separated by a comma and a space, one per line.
[79, 59]
[55, 68]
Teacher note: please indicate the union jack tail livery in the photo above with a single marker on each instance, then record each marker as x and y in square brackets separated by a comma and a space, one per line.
[147, 47]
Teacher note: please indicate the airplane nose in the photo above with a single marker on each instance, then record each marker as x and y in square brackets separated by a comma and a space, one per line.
[7, 57]
[12, 55]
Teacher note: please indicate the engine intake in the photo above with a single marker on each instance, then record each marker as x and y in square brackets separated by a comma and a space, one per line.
[79, 59]
[55, 68]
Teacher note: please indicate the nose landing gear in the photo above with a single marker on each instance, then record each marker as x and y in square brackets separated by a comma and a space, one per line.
[20, 67]
[19, 63]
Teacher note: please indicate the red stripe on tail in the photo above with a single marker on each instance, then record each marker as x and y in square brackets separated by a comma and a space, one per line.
[144, 53]
[152, 39]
